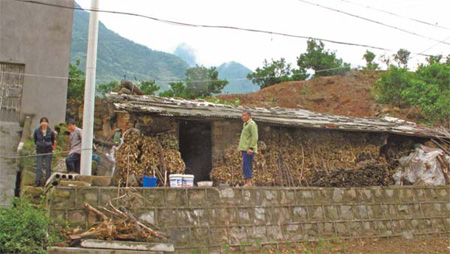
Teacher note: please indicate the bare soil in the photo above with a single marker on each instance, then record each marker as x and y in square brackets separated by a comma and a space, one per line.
[349, 95]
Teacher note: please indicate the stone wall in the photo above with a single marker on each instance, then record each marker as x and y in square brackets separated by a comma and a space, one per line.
[212, 219]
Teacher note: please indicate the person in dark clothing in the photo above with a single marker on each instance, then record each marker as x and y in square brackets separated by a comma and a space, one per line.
[44, 138]
[74, 158]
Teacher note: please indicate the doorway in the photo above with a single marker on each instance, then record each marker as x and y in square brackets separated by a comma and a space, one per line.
[196, 148]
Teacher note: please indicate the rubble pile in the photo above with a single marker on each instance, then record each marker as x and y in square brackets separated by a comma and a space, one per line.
[296, 158]
[147, 156]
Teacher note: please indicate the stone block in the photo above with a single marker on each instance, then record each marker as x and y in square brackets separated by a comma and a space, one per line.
[149, 217]
[347, 212]
[306, 197]
[406, 195]
[355, 228]
[350, 196]
[245, 216]
[443, 195]
[271, 198]
[403, 211]
[74, 183]
[317, 213]
[364, 212]
[281, 215]
[77, 218]
[27, 178]
[289, 197]
[260, 216]
[180, 237]
[196, 197]
[166, 217]
[331, 213]
[293, 233]
[274, 233]
[300, 213]
[258, 232]
[311, 230]
[219, 236]
[154, 197]
[237, 235]
[365, 195]
[338, 195]
[176, 197]
[200, 236]
[213, 196]
[33, 192]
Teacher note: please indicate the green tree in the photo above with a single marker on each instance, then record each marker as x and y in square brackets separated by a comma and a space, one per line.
[200, 82]
[77, 79]
[177, 89]
[391, 84]
[275, 72]
[103, 89]
[148, 87]
[369, 57]
[428, 88]
[323, 62]
[402, 57]
[434, 59]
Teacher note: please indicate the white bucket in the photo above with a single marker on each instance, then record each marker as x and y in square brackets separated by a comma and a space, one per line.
[176, 180]
[188, 180]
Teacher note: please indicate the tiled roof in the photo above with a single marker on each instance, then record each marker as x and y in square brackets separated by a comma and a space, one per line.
[200, 109]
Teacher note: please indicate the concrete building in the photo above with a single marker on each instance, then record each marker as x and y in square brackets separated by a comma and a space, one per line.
[35, 44]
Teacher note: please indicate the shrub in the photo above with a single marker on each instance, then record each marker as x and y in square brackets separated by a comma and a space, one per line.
[25, 228]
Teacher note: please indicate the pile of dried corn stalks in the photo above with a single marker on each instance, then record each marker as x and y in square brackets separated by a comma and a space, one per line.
[148, 156]
[295, 158]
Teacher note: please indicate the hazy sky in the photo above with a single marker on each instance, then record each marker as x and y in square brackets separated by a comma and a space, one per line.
[216, 46]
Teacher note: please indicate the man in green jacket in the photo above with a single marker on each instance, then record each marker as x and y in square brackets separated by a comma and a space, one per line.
[248, 146]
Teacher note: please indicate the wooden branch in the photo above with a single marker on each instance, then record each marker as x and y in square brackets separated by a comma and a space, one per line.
[97, 212]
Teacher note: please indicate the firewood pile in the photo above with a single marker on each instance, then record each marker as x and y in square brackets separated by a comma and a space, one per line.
[293, 158]
[126, 87]
[116, 222]
[148, 156]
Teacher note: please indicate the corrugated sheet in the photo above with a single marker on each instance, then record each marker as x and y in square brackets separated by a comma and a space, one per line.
[281, 116]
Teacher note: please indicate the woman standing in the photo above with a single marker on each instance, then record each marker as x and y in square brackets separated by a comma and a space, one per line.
[44, 138]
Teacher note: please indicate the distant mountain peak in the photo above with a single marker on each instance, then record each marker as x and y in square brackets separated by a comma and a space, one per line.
[187, 53]
[236, 74]
[118, 56]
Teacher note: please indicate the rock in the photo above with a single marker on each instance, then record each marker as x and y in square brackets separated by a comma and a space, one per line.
[74, 183]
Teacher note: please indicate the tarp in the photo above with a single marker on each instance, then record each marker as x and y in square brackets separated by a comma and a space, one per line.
[425, 166]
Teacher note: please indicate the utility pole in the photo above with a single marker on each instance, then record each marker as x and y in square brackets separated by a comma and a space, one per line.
[89, 92]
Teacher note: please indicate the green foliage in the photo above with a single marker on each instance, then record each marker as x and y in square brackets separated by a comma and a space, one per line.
[275, 72]
[391, 84]
[148, 87]
[77, 79]
[402, 57]
[200, 82]
[25, 228]
[428, 88]
[369, 57]
[103, 89]
[323, 62]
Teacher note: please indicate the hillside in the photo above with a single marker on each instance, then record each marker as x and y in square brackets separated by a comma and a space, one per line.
[236, 74]
[118, 56]
[340, 95]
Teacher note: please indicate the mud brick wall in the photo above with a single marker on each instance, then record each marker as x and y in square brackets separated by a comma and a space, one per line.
[212, 219]
[224, 134]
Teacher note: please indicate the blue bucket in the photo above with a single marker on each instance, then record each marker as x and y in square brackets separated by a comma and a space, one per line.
[149, 181]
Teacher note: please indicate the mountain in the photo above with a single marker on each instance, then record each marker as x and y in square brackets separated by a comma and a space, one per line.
[118, 56]
[187, 53]
[236, 74]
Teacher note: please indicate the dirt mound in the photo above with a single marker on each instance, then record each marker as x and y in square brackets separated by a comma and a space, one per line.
[348, 95]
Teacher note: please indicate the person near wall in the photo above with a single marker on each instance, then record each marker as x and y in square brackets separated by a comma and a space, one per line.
[44, 139]
[74, 158]
[248, 146]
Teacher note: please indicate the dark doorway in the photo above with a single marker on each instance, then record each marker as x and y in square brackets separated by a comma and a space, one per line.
[196, 148]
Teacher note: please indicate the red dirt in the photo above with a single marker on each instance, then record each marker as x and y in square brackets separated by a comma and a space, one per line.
[348, 95]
